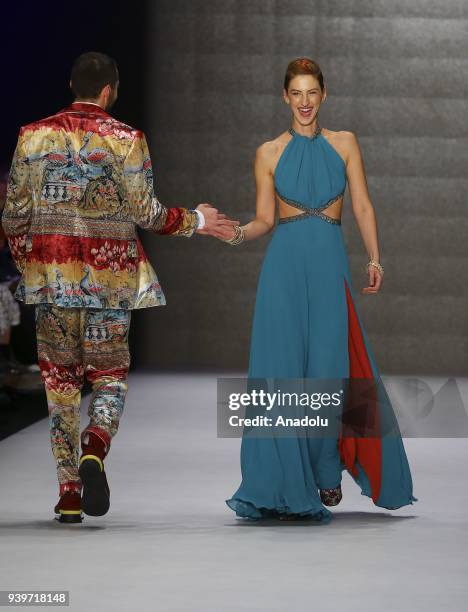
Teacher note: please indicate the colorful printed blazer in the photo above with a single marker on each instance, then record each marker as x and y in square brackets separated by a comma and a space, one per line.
[80, 184]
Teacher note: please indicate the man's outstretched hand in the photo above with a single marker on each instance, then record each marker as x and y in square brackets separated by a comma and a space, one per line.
[216, 224]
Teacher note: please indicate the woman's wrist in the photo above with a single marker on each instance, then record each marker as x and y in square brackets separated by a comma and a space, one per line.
[239, 236]
[375, 264]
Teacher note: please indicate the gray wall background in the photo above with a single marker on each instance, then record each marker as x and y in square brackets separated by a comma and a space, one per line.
[396, 72]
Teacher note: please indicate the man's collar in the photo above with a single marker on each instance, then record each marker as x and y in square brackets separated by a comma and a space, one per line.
[86, 107]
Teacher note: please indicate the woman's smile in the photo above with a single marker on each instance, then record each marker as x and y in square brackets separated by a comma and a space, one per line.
[305, 111]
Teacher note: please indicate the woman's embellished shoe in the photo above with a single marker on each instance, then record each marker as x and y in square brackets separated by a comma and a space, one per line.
[331, 497]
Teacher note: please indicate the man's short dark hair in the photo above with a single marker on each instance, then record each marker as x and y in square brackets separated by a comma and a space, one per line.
[91, 72]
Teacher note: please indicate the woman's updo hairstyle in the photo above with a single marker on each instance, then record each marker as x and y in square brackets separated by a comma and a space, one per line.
[303, 65]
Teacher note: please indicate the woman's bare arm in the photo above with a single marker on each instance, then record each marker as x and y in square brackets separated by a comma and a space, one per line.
[265, 188]
[362, 208]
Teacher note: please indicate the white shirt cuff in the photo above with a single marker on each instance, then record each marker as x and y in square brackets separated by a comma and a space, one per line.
[201, 219]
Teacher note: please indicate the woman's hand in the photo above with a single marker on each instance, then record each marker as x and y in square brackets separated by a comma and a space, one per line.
[217, 224]
[232, 234]
[375, 280]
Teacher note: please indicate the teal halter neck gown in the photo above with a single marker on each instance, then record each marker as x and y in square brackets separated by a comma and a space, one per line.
[306, 326]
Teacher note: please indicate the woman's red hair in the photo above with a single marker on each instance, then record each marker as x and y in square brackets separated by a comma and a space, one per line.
[303, 65]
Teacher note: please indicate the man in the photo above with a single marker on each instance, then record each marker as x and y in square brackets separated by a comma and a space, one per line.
[79, 184]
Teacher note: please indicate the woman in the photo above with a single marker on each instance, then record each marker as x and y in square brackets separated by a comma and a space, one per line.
[305, 322]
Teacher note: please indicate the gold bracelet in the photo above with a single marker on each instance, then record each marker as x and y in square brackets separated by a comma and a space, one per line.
[376, 265]
[238, 237]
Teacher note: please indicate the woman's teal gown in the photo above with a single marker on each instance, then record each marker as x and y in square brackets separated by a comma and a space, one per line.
[306, 326]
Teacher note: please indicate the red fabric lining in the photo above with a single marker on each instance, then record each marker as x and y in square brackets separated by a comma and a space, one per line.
[367, 451]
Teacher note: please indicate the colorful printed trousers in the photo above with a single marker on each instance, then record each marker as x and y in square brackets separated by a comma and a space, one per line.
[73, 343]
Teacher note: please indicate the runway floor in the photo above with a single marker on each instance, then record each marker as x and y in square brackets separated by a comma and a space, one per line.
[169, 542]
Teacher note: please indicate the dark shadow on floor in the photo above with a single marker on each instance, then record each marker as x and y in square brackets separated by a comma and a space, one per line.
[357, 519]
